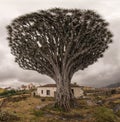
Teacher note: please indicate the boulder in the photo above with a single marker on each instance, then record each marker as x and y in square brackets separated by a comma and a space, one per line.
[116, 108]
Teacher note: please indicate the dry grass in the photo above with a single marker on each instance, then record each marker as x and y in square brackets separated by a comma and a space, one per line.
[115, 96]
[24, 108]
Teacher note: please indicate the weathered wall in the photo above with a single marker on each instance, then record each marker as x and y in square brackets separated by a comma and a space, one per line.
[52, 90]
[77, 91]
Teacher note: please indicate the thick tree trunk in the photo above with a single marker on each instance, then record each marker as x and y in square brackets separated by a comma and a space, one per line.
[64, 95]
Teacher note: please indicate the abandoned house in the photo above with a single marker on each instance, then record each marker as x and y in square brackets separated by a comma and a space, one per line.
[49, 90]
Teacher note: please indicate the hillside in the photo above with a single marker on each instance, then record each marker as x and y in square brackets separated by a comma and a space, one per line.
[114, 85]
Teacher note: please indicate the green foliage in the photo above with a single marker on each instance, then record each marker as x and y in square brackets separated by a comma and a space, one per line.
[8, 93]
[38, 113]
[103, 114]
[7, 117]
[83, 34]
[118, 113]
[57, 109]
[52, 108]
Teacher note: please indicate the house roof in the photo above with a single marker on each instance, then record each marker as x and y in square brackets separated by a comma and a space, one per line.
[54, 85]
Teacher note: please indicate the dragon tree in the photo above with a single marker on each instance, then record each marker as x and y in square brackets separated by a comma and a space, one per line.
[59, 42]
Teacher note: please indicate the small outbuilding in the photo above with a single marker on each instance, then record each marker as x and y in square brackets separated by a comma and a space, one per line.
[49, 90]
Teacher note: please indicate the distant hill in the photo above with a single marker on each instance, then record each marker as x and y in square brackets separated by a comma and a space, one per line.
[114, 85]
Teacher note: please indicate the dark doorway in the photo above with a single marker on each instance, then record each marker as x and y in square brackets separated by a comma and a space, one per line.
[72, 91]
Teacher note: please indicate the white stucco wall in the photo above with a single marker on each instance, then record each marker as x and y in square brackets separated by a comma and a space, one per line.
[52, 90]
[77, 91]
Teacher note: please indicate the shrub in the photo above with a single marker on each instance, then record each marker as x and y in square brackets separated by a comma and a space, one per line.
[6, 117]
[118, 113]
[8, 93]
[38, 113]
[113, 91]
[103, 114]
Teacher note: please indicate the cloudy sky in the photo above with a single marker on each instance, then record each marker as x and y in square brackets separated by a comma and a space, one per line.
[102, 73]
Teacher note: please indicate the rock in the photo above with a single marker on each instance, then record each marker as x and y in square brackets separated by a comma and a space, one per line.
[41, 106]
[116, 108]
[38, 107]
[91, 103]
[99, 102]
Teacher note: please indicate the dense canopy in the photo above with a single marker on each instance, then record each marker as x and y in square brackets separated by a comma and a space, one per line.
[58, 38]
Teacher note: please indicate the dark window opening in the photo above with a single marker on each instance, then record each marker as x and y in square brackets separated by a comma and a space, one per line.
[41, 91]
[48, 92]
[54, 93]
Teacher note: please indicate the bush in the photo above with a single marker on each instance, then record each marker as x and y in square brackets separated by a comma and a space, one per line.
[8, 93]
[6, 117]
[113, 91]
[118, 113]
[38, 113]
[103, 114]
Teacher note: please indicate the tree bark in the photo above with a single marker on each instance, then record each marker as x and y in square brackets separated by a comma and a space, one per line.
[64, 95]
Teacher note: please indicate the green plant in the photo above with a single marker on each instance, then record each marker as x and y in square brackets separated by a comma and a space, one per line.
[103, 114]
[7, 117]
[118, 113]
[8, 93]
[38, 113]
